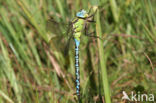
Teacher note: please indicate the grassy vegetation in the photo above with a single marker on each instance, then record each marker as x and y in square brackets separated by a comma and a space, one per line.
[34, 69]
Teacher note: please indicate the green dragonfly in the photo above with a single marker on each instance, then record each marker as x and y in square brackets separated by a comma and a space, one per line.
[76, 28]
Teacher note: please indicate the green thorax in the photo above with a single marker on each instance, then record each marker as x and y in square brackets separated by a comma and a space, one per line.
[78, 27]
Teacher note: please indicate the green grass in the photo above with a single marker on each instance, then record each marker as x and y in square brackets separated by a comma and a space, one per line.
[103, 58]
[33, 68]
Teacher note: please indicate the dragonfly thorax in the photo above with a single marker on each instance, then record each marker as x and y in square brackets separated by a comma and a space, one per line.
[78, 27]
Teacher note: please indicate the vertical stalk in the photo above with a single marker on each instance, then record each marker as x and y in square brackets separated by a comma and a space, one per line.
[60, 7]
[115, 10]
[102, 61]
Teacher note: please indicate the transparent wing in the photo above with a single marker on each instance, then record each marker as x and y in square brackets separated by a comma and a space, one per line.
[62, 33]
[67, 45]
[53, 27]
[69, 33]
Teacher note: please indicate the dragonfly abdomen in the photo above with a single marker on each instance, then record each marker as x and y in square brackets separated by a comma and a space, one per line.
[77, 68]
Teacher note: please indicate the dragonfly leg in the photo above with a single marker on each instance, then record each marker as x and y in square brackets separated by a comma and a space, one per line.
[90, 10]
[88, 19]
[86, 31]
[91, 21]
[92, 15]
[90, 34]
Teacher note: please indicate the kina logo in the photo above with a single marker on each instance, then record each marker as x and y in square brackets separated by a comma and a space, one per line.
[137, 96]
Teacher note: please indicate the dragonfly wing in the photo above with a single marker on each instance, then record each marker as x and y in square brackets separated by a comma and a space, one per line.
[67, 46]
[57, 30]
[69, 28]
[69, 32]
[53, 27]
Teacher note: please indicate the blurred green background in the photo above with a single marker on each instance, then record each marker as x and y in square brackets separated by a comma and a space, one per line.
[34, 69]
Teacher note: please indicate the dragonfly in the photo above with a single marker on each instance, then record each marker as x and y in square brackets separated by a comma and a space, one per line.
[78, 24]
[77, 27]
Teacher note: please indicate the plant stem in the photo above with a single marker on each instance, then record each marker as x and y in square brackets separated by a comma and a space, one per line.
[102, 61]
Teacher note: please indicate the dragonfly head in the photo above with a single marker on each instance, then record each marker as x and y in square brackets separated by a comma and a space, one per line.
[82, 14]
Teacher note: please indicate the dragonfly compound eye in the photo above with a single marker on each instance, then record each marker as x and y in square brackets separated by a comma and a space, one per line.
[81, 14]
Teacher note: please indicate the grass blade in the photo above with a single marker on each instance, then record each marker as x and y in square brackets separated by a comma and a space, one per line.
[102, 61]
